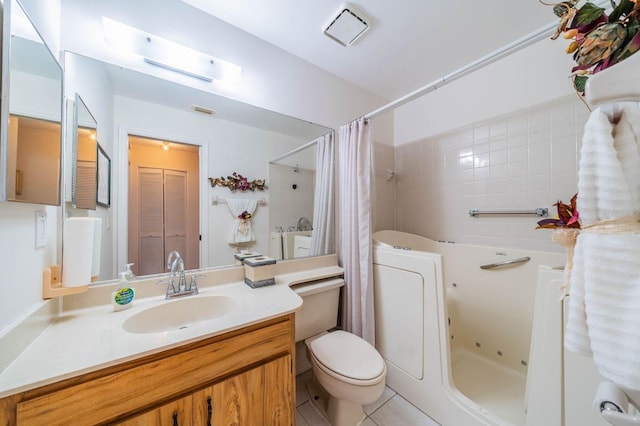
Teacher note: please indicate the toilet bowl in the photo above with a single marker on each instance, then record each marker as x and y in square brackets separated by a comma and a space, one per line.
[347, 373]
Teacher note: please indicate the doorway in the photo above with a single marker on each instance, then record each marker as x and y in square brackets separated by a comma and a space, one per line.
[164, 206]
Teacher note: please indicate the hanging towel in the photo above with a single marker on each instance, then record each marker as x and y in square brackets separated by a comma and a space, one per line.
[604, 307]
[242, 231]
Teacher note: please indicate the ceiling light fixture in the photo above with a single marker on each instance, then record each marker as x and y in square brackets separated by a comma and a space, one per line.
[347, 26]
[160, 52]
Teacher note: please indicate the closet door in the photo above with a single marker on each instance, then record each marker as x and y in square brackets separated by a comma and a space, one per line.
[151, 257]
[175, 213]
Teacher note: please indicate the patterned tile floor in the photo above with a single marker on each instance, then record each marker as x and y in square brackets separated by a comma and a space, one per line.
[389, 410]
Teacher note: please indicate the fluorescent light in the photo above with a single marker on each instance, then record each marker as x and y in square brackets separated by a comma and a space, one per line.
[167, 54]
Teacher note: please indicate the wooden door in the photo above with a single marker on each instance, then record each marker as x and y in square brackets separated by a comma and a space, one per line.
[279, 392]
[175, 213]
[235, 401]
[151, 257]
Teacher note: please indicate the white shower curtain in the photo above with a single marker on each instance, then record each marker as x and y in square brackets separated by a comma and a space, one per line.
[355, 158]
[323, 236]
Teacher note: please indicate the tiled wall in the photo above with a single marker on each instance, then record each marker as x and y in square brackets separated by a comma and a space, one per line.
[384, 192]
[523, 160]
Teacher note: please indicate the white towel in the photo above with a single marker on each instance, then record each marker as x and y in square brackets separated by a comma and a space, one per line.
[242, 231]
[604, 307]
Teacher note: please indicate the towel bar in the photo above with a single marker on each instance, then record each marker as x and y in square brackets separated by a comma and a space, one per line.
[216, 200]
[541, 211]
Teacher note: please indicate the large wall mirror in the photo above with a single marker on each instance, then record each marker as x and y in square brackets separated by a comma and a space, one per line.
[165, 141]
[31, 144]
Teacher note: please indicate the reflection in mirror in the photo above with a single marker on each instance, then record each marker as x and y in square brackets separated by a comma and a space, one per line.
[34, 160]
[234, 137]
[34, 140]
[292, 183]
[85, 151]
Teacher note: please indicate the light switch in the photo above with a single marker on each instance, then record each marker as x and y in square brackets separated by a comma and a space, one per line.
[41, 228]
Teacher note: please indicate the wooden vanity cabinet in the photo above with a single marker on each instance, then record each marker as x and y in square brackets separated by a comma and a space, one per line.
[245, 377]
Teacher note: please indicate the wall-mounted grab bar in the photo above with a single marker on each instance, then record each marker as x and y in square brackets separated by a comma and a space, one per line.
[542, 212]
[506, 262]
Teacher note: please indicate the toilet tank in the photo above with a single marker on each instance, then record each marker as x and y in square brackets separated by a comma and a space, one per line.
[319, 306]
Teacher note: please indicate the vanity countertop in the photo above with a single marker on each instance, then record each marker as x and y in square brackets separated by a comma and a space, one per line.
[88, 339]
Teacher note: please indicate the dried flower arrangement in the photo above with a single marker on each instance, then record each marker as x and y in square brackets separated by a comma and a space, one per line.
[237, 182]
[568, 216]
[598, 40]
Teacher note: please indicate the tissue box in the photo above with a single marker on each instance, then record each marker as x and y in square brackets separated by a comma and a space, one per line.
[259, 271]
[240, 257]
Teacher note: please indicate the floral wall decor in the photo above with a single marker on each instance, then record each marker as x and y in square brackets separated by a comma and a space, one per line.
[237, 182]
[598, 40]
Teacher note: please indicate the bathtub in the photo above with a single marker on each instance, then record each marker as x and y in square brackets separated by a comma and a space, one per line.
[463, 344]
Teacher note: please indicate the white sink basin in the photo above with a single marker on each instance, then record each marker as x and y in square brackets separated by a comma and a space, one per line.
[179, 314]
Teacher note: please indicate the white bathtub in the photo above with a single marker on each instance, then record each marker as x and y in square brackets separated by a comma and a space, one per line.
[457, 339]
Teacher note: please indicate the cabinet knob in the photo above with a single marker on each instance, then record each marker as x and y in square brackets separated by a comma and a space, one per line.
[175, 419]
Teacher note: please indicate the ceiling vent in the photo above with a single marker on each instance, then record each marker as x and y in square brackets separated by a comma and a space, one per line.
[347, 26]
[203, 110]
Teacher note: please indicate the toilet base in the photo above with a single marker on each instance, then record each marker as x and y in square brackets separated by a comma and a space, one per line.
[336, 412]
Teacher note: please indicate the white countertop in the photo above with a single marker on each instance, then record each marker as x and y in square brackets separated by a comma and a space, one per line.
[88, 339]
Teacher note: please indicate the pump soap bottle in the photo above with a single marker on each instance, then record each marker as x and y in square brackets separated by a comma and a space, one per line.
[122, 298]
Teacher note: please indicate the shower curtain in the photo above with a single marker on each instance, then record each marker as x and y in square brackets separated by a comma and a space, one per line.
[355, 158]
[323, 236]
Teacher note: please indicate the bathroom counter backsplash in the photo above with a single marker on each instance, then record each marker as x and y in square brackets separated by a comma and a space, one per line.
[88, 336]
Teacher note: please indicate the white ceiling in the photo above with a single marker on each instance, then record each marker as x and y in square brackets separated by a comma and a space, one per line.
[410, 44]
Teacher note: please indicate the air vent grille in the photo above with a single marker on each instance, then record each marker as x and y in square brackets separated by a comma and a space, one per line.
[347, 26]
[203, 110]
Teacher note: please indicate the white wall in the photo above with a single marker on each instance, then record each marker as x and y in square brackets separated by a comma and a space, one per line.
[534, 75]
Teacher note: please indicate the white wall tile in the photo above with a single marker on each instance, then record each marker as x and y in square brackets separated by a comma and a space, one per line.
[525, 160]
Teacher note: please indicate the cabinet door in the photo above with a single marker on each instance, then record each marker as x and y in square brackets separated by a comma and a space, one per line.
[235, 401]
[175, 413]
[263, 396]
[279, 393]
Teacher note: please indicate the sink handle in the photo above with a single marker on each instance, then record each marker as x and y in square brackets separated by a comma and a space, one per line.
[193, 286]
[170, 288]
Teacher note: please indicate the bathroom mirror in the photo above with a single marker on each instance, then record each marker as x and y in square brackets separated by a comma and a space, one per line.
[84, 162]
[31, 145]
[160, 118]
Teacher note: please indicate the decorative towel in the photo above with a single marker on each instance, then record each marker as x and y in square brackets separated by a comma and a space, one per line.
[242, 210]
[604, 307]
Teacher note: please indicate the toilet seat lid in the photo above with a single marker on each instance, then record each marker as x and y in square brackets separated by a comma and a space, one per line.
[348, 355]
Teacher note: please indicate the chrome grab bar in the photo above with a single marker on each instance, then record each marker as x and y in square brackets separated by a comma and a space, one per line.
[542, 212]
[506, 262]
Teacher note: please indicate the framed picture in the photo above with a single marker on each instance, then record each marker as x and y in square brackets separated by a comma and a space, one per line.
[104, 179]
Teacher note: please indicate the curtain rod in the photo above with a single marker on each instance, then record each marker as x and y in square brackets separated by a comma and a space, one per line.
[298, 149]
[510, 48]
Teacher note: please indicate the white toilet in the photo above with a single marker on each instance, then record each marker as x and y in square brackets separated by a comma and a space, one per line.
[347, 371]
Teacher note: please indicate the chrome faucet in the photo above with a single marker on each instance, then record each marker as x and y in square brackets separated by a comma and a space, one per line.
[175, 264]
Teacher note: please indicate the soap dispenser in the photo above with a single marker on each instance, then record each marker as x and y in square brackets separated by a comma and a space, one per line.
[122, 298]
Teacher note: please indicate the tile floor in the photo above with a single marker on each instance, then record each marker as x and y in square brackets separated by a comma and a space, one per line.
[390, 410]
